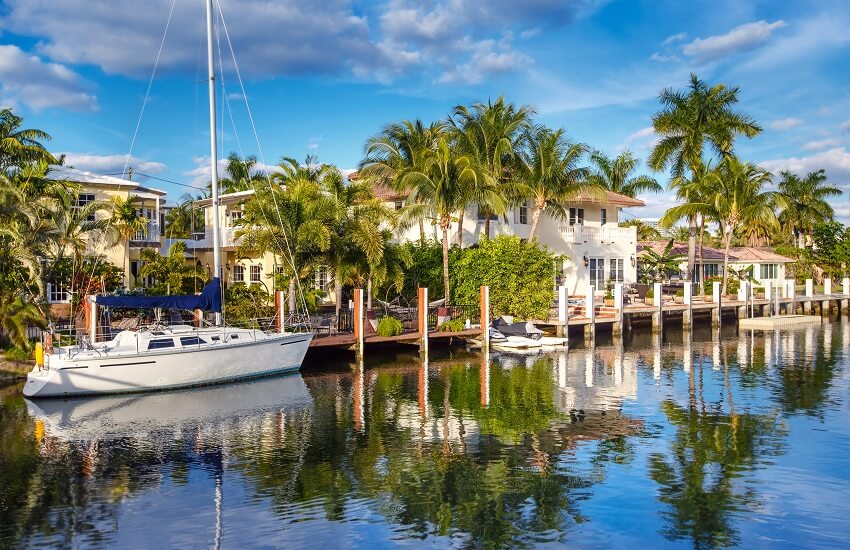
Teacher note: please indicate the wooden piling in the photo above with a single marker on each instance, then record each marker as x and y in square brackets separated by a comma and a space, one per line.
[422, 319]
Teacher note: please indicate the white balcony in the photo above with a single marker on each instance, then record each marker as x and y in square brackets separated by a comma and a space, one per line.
[205, 239]
[606, 234]
[150, 234]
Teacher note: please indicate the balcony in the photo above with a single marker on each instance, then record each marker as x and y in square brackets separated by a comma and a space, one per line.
[150, 234]
[607, 234]
[205, 239]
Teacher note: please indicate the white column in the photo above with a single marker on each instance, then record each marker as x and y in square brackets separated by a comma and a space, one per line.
[845, 286]
[827, 286]
[689, 293]
[742, 291]
[768, 291]
[590, 310]
[810, 288]
[618, 296]
[562, 304]
[715, 293]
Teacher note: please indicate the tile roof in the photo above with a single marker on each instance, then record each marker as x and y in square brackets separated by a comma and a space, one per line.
[611, 198]
[736, 254]
[757, 254]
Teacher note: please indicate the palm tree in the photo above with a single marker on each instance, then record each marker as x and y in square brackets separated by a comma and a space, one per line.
[170, 272]
[490, 136]
[184, 219]
[439, 190]
[240, 174]
[617, 174]
[645, 232]
[401, 148]
[20, 146]
[16, 315]
[125, 222]
[661, 263]
[549, 173]
[291, 170]
[687, 123]
[741, 201]
[804, 203]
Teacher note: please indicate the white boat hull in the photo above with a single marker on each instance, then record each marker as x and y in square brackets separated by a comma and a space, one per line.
[159, 370]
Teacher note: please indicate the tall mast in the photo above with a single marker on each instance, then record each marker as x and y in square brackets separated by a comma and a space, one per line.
[213, 146]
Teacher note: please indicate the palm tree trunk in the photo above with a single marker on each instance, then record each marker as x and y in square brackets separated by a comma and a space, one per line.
[487, 223]
[337, 295]
[369, 293]
[692, 245]
[444, 224]
[535, 219]
[460, 228]
[727, 244]
[701, 265]
[421, 232]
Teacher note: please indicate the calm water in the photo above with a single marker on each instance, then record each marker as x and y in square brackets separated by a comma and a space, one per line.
[713, 441]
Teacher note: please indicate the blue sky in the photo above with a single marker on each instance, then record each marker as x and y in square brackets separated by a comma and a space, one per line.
[322, 76]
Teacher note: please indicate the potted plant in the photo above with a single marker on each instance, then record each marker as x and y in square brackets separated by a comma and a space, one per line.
[680, 296]
[650, 295]
[609, 298]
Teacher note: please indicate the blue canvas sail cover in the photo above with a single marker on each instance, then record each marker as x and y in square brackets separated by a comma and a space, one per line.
[208, 300]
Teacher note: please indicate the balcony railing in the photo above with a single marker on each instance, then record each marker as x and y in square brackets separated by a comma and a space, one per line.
[149, 234]
[581, 234]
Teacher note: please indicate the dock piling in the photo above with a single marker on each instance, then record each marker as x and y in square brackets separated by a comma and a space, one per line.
[485, 318]
[358, 323]
[617, 327]
[715, 300]
[422, 319]
[563, 310]
[590, 313]
[688, 314]
[658, 302]
[807, 304]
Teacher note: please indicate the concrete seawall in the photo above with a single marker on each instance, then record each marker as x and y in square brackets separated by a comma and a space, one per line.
[11, 370]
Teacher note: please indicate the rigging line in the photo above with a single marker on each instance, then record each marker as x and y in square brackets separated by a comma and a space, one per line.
[148, 92]
[291, 256]
[163, 180]
[226, 100]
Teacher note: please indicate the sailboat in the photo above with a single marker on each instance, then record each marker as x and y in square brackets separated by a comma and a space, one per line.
[177, 356]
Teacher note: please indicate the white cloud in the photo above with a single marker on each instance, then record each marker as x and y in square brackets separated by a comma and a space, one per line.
[817, 145]
[835, 161]
[200, 174]
[742, 38]
[661, 58]
[807, 39]
[27, 79]
[112, 164]
[641, 140]
[783, 124]
[845, 126]
[678, 37]
[270, 38]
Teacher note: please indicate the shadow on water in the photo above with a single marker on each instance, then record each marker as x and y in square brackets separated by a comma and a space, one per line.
[506, 450]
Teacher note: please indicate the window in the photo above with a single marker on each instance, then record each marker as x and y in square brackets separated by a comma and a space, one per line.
[576, 216]
[58, 293]
[710, 270]
[482, 216]
[191, 341]
[603, 216]
[161, 343]
[238, 273]
[84, 199]
[255, 273]
[398, 205]
[769, 271]
[597, 273]
[235, 215]
[521, 214]
[615, 272]
[321, 278]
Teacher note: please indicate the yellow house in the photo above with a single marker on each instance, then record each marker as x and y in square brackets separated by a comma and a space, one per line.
[125, 254]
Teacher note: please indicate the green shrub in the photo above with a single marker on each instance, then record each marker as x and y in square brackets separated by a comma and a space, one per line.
[520, 276]
[454, 325]
[680, 293]
[389, 326]
[650, 293]
[16, 353]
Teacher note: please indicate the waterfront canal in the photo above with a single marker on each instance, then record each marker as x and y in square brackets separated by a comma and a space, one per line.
[707, 441]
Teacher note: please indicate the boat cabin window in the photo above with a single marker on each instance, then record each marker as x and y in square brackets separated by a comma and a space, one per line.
[234, 337]
[161, 343]
[216, 338]
[191, 341]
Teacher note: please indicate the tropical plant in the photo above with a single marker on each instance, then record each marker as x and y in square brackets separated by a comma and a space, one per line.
[125, 222]
[184, 220]
[439, 190]
[617, 174]
[520, 276]
[490, 135]
[550, 175]
[16, 315]
[661, 264]
[401, 148]
[20, 146]
[687, 123]
[171, 273]
[803, 203]
[645, 232]
[240, 174]
[389, 326]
